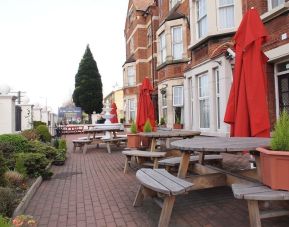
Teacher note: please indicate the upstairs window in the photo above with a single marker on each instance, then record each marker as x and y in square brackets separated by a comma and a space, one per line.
[163, 47]
[177, 43]
[226, 14]
[274, 3]
[202, 18]
[130, 76]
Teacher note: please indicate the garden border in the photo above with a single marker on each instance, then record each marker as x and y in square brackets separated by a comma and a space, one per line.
[28, 196]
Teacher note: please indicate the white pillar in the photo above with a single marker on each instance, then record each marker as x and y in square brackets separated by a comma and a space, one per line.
[37, 113]
[26, 116]
[7, 114]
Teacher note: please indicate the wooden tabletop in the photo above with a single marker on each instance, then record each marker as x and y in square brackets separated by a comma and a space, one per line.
[170, 134]
[220, 144]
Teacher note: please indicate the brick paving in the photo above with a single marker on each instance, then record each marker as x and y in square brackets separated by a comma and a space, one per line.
[91, 190]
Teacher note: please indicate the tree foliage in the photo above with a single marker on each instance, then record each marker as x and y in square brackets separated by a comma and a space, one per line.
[88, 85]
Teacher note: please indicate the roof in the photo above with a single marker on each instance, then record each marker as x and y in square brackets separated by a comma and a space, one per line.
[142, 4]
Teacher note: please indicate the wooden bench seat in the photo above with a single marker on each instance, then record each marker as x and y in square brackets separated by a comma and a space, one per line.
[82, 144]
[175, 161]
[115, 141]
[255, 192]
[142, 154]
[162, 187]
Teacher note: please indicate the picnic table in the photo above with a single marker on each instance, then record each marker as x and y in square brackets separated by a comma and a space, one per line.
[166, 135]
[206, 145]
[112, 139]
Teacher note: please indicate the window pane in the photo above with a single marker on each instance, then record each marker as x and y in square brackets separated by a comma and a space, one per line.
[202, 27]
[202, 18]
[163, 47]
[178, 96]
[177, 42]
[218, 113]
[130, 76]
[276, 3]
[203, 83]
[204, 114]
[226, 17]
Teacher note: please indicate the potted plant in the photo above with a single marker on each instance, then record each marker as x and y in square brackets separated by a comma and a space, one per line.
[147, 128]
[275, 160]
[163, 123]
[133, 139]
[177, 124]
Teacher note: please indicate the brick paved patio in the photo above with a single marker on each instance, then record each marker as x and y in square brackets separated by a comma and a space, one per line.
[91, 190]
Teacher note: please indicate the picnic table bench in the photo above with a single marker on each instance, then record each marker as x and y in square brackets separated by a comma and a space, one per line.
[115, 140]
[82, 144]
[255, 192]
[142, 154]
[163, 188]
[175, 161]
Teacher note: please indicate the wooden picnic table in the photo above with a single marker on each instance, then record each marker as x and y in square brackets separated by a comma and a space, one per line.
[160, 134]
[208, 176]
[94, 131]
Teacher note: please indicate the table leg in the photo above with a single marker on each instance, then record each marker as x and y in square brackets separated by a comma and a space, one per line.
[258, 167]
[184, 165]
[153, 144]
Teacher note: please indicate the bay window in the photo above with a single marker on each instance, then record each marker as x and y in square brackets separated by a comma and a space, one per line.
[178, 99]
[226, 14]
[202, 18]
[217, 79]
[130, 76]
[163, 47]
[203, 82]
[177, 42]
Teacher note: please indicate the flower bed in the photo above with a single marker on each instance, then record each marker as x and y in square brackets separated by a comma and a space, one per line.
[23, 161]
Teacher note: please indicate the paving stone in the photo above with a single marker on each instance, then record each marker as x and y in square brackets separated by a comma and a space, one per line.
[91, 190]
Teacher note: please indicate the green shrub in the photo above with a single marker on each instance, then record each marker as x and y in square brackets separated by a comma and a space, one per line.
[38, 147]
[60, 157]
[162, 121]
[14, 179]
[3, 169]
[34, 163]
[147, 127]
[280, 141]
[62, 144]
[8, 152]
[43, 133]
[17, 141]
[37, 123]
[8, 201]
[30, 134]
[133, 128]
[5, 222]
[55, 143]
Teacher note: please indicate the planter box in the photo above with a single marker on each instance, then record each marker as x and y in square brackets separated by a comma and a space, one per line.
[275, 168]
[133, 140]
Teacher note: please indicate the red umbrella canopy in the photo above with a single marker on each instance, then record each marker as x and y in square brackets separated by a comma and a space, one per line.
[247, 108]
[114, 112]
[145, 109]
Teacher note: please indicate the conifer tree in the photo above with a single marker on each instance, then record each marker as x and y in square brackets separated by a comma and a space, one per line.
[88, 85]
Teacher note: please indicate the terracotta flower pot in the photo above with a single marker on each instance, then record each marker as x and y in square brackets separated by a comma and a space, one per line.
[275, 168]
[178, 126]
[133, 140]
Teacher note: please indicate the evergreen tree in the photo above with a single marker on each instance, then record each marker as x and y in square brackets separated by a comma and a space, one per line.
[88, 86]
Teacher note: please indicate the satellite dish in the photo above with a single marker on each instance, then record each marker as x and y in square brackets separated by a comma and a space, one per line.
[4, 89]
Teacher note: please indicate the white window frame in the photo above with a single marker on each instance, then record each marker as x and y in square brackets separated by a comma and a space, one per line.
[182, 96]
[218, 101]
[270, 2]
[200, 19]
[163, 51]
[202, 98]
[131, 108]
[132, 76]
[219, 14]
[181, 43]
[173, 3]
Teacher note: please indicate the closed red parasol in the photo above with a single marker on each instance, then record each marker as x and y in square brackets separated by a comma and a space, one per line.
[247, 108]
[145, 109]
[114, 112]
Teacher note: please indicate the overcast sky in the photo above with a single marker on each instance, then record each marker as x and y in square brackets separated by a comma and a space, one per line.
[43, 41]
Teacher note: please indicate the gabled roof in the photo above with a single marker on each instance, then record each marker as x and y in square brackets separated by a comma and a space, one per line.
[142, 4]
